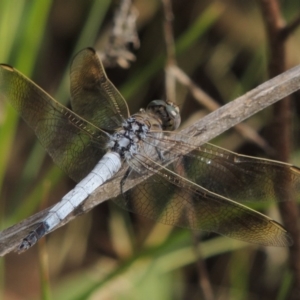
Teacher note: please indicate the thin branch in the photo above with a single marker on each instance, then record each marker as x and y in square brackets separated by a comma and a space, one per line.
[290, 28]
[203, 130]
[208, 102]
[170, 46]
[204, 283]
[281, 127]
[274, 23]
[168, 31]
[123, 34]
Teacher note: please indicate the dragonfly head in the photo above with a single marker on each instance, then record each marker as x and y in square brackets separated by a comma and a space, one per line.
[168, 113]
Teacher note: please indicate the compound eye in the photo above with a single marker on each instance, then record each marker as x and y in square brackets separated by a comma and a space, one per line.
[174, 114]
[168, 112]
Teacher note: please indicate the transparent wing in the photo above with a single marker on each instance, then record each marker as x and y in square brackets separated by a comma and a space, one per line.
[238, 177]
[74, 144]
[193, 191]
[93, 96]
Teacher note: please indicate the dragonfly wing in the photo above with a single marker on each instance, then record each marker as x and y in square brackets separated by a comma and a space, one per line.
[238, 177]
[93, 96]
[74, 144]
[172, 199]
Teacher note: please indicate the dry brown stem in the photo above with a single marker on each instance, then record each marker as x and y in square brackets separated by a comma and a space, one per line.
[281, 126]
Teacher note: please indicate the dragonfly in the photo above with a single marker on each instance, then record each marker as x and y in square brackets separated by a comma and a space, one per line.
[180, 183]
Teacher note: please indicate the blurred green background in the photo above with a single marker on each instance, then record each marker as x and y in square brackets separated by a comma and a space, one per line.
[109, 253]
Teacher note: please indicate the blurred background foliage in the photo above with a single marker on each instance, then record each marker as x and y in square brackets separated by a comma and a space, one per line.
[109, 253]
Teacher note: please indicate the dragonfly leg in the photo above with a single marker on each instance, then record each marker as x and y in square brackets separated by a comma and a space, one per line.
[160, 154]
[122, 182]
[33, 237]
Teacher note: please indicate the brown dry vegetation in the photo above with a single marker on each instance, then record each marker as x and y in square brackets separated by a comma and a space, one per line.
[226, 48]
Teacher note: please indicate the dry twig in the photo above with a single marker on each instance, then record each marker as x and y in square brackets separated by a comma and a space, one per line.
[281, 127]
[170, 46]
[122, 35]
[208, 102]
[204, 282]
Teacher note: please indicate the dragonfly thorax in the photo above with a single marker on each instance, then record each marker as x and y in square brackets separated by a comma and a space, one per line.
[125, 141]
[159, 115]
